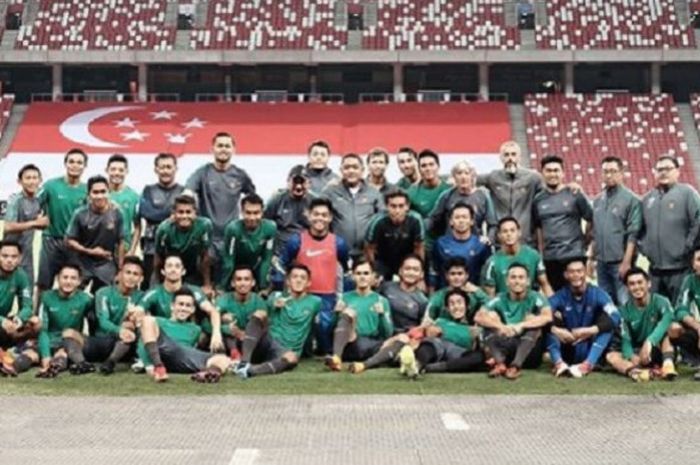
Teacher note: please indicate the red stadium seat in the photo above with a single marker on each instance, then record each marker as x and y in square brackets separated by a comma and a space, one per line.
[110, 25]
[584, 129]
[612, 24]
[441, 25]
[270, 24]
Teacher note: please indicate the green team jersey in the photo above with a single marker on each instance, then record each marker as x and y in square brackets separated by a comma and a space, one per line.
[111, 306]
[188, 244]
[16, 285]
[649, 323]
[368, 322]
[514, 311]
[185, 333]
[496, 267]
[252, 248]
[239, 311]
[60, 200]
[688, 298]
[438, 309]
[456, 332]
[424, 198]
[404, 183]
[128, 201]
[291, 325]
[58, 313]
[157, 301]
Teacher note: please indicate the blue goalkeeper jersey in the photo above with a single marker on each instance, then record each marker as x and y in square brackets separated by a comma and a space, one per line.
[584, 311]
[472, 250]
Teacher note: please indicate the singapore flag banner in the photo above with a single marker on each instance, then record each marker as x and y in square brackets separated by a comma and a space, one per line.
[270, 137]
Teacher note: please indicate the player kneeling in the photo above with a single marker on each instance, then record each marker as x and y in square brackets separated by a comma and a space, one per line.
[364, 324]
[643, 344]
[450, 344]
[169, 344]
[275, 338]
[513, 321]
[62, 313]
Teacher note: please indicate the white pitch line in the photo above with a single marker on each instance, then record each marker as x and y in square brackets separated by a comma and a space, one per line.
[454, 422]
[244, 456]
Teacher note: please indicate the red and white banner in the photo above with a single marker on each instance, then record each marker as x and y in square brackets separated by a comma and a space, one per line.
[270, 138]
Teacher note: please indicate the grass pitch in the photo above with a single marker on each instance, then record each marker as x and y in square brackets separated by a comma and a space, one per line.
[312, 378]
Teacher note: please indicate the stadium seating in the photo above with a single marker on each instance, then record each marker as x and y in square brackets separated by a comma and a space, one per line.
[440, 25]
[6, 102]
[616, 24]
[584, 129]
[270, 24]
[106, 25]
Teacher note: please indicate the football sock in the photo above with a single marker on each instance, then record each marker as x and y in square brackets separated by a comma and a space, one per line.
[385, 355]
[121, 348]
[253, 332]
[527, 342]
[341, 335]
[75, 351]
[277, 365]
[153, 353]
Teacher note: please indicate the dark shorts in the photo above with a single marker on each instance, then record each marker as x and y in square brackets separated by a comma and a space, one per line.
[267, 350]
[616, 346]
[180, 359]
[5, 340]
[100, 276]
[98, 348]
[445, 350]
[54, 253]
[361, 349]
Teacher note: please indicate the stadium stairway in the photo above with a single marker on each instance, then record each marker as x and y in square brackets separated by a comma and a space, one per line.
[691, 136]
[183, 40]
[340, 13]
[682, 11]
[8, 40]
[527, 39]
[370, 13]
[541, 13]
[16, 118]
[31, 9]
[517, 125]
[201, 13]
[510, 14]
[171, 10]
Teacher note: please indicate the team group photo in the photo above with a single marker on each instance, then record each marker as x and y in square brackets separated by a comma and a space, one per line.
[319, 232]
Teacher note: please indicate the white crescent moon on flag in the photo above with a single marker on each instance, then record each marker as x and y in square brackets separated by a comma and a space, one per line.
[77, 127]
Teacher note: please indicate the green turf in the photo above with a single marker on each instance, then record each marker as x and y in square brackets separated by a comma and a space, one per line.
[311, 378]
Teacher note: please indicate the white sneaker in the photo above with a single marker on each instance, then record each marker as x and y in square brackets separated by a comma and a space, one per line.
[575, 371]
[561, 369]
[138, 366]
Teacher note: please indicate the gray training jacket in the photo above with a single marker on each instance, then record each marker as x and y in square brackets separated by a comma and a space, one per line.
[353, 214]
[671, 225]
[512, 195]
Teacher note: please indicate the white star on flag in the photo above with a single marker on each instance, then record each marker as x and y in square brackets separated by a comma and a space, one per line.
[134, 135]
[177, 138]
[194, 123]
[125, 123]
[164, 114]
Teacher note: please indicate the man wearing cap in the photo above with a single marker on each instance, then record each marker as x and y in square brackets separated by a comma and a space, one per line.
[288, 207]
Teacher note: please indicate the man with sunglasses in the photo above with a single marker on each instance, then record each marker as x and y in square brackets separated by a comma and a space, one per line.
[671, 213]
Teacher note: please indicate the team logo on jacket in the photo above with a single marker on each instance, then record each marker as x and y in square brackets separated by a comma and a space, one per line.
[671, 205]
